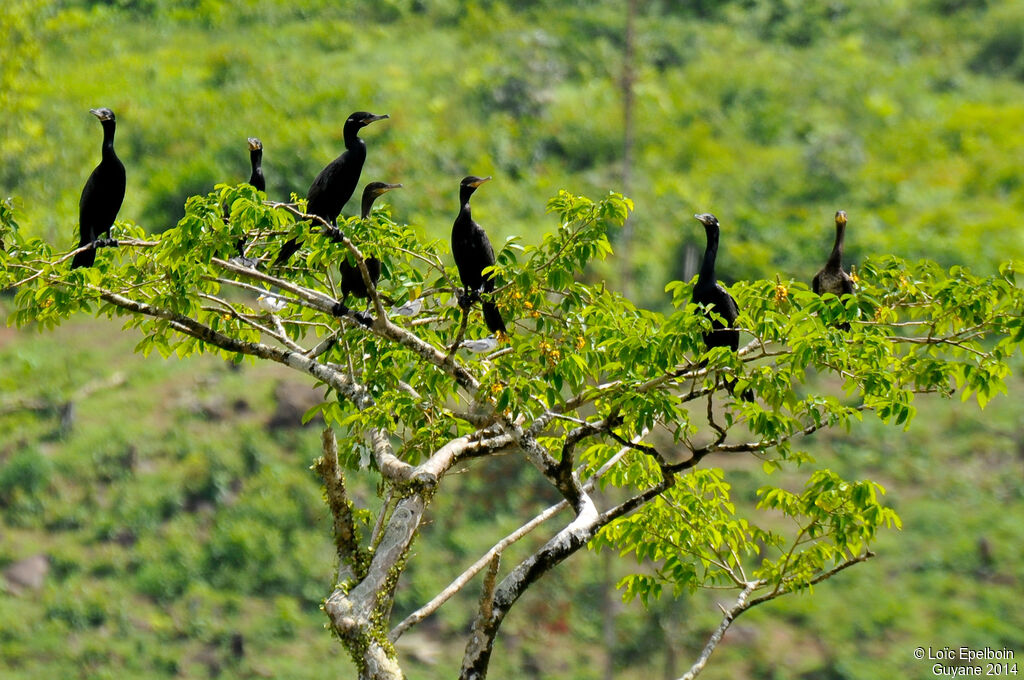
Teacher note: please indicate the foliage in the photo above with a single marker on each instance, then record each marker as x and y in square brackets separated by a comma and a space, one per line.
[769, 115]
[777, 112]
[583, 364]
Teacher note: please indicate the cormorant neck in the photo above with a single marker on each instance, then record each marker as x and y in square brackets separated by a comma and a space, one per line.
[352, 139]
[465, 193]
[108, 138]
[707, 268]
[256, 179]
[368, 200]
[835, 260]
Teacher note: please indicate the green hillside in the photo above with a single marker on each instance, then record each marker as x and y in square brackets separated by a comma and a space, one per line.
[186, 537]
[908, 116]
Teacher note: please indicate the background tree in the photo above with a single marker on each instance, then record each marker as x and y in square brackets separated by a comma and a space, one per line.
[590, 391]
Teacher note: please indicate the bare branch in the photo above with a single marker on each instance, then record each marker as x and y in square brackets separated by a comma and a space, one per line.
[730, 615]
[466, 576]
[743, 603]
[460, 582]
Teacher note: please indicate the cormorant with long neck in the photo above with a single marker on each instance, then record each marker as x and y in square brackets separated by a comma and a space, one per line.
[335, 184]
[102, 195]
[351, 278]
[710, 293]
[256, 179]
[473, 253]
[831, 278]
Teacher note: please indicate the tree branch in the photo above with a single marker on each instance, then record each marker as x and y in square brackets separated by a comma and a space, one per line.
[465, 577]
[351, 558]
[743, 603]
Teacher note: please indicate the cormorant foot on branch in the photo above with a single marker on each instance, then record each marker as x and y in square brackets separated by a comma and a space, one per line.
[102, 195]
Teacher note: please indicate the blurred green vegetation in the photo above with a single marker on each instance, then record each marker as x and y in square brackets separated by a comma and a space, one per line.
[769, 113]
[173, 524]
[174, 520]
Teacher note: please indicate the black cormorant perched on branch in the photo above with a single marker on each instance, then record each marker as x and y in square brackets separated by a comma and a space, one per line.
[256, 179]
[351, 278]
[710, 293]
[335, 184]
[473, 253]
[102, 195]
[832, 278]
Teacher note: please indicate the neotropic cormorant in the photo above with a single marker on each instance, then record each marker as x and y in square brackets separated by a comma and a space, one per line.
[256, 179]
[102, 195]
[351, 278]
[832, 278]
[335, 184]
[473, 253]
[710, 293]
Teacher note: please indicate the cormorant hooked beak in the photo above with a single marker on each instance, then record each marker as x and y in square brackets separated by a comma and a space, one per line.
[102, 113]
[841, 217]
[384, 188]
[478, 181]
[707, 219]
[255, 144]
[366, 120]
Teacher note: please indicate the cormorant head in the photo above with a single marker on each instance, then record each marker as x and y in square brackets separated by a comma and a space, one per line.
[370, 193]
[840, 218]
[473, 181]
[104, 114]
[707, 219]
[469, 185]
[255, 144]
[375, 189]
[362, 119]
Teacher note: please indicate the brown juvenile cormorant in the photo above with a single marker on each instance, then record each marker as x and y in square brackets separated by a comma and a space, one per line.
[335, 184]
[351, 278]
[102, 195]
[710, 293]
[832, 278]
[473, 253]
